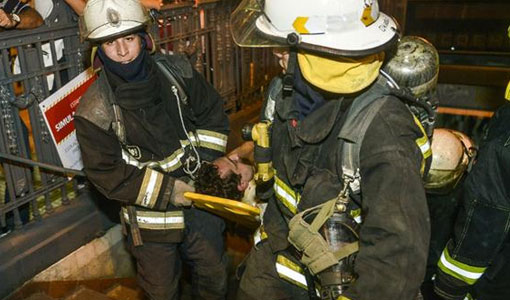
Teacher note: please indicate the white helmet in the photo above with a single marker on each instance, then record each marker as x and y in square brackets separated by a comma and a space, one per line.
[107, 19]
[339, 27]
[452, 154]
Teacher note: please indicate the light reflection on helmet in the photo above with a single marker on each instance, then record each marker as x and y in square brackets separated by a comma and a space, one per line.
[452, 154]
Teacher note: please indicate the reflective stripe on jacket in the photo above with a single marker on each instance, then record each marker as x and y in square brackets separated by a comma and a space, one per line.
[395, 229]
[141, 170]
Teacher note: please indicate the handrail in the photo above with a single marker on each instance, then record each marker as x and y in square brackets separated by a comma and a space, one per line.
[41, 165]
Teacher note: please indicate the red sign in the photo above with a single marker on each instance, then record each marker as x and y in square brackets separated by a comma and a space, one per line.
[60, 116]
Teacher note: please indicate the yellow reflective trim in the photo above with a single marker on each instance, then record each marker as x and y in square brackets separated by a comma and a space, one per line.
[168, 164]
[299, 25]
[212, 140]
[156, 220]
[356, 215]
[213, 146]
[172, 162]
[259, 235]
[423, 143]
[286, 195]
[149, 190]
[366, 16]
[464, 272]
[290, 271]
[507, 92]
[220, 138]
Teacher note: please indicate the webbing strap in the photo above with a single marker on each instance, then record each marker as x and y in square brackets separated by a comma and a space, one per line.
[172, 77]
[326, 210]
[133, 224]
[360, 116]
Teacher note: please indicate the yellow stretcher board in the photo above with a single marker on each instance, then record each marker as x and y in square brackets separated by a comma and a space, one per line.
[235, 211]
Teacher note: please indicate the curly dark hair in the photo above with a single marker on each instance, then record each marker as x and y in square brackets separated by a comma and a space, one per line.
[208, 182]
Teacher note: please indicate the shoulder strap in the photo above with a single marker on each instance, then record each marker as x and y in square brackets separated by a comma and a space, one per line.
[359, 117]
[175, 68]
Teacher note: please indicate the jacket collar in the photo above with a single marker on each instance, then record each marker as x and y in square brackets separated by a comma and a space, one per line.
[317, 125]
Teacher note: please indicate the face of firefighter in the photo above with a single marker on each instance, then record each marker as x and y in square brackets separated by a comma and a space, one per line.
[283, 57]
[123, 49]
[233, 165]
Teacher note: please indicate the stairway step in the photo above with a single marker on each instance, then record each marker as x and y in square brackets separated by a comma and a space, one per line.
[83, 293]
[39, 296]
[121, 292]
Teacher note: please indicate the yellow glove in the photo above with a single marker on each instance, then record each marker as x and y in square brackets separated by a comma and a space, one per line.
[343, 298]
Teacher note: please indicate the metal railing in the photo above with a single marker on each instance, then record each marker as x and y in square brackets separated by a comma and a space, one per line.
[32, 67]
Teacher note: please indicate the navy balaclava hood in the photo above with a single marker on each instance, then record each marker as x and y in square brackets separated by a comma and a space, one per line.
[131, 72]
[307, 98]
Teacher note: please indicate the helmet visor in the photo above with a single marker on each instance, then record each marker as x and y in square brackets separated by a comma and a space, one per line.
[243, 25]
[443, 181]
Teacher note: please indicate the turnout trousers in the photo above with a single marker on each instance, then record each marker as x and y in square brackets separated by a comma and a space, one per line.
[202, 250]
[260, 279]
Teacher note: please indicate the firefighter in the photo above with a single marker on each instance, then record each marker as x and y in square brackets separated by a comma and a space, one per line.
[453, 154]
[331, 101]
[145, 126]
[475, 264]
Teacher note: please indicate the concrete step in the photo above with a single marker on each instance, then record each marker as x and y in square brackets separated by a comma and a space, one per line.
[39, 296]
[121, 292]
[83, 293]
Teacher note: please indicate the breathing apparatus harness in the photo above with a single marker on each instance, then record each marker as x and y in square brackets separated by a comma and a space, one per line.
[328, 244]
[180, 95]
[193, 160]
[424, 110]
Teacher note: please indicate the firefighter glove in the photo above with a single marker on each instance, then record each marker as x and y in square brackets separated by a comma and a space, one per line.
[177, 197]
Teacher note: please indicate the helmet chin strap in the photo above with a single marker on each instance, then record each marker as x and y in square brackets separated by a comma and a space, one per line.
[288, 78]
[293, 40]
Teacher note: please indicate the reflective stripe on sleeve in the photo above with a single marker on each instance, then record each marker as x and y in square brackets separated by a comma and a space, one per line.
[290, 271]
[286, 195]
[259, 235]
[169, 164]
[424, 144]
[172, 162]
[212, 140]
[156, 220]
[466, 273]
[149, 191]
